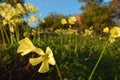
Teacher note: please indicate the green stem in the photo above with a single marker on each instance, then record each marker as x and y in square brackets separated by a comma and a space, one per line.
[58, 72]
[98, 60]
[3, 37]
[76, 46]
[17, 33]
[38, 34]
[6, 35]
[11, 37]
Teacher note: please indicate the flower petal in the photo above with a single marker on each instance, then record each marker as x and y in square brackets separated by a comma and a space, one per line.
[25, 52]
[22, 48]
[26, 47]
[49, 52]
[52, 61]
[44, 67]
[39, 51]
[35, 61]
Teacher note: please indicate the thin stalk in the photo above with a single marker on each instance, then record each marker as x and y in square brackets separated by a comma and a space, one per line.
[75, 43]
[6, 35]
[17, 33]
[11, 37]
[100, 57]
[3, 37]
[76, 46]
[38, 34]
[58, 72]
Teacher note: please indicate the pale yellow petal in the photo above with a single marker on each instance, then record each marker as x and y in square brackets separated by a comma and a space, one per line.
[26, 46]
[44, 67]
[39, 51]
[49, 52]
[35, 61]
[28, 41]
[51, 61]
[22, 48]
[25, 52]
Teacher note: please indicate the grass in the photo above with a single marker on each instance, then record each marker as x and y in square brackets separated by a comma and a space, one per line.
[75, 55]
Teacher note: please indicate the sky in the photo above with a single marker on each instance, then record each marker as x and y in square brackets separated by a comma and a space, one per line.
[65, 7]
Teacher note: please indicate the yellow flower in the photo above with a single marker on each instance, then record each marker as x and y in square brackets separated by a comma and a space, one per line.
[32, 19]
[71, 20]
[106, 30]
[26, 7]
[20, 8]
[46, 59]
[33, 32]
[32, 8]
[112, 39]
[26, 46]
[11, 29]
[63, 21]
[88, 32]
[115, 32]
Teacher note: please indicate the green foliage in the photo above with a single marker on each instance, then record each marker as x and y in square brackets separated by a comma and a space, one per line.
[96, 16]
[52, 21]
[75, 55]
[114, 8]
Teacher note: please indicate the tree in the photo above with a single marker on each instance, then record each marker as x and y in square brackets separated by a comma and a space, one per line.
[91, 1]
[52, 21]
[95, 14]
[115, 9]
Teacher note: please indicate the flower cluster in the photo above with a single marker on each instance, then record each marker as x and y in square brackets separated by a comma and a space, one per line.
[68, 31]
[88, 32]
[13, 15]
[10, 15]
[71, 20]
[32, 19]
[26, 46]
[114, 33]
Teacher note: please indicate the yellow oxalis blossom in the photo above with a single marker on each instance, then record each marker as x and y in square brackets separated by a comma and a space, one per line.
[33, 32]
[10, 14]
[71, 20]
[11, 29]
[32, 8]
[46, 59]
[26, 46]
[115, 32]
[32, 19]
[20, 8]
[63, 21]
[106, 30]
[111, 39]
[87, 32]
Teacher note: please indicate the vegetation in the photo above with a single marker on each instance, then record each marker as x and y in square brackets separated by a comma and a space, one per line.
[25, 52]
[98, 14]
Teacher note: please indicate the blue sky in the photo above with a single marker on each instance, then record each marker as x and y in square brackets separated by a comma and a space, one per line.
[65, 7]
